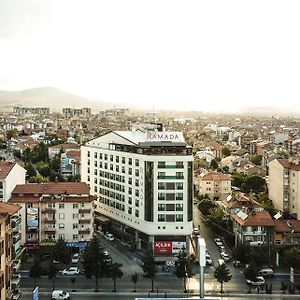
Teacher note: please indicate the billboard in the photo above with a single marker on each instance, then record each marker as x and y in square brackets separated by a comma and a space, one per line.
[32, 217]
[169, 247]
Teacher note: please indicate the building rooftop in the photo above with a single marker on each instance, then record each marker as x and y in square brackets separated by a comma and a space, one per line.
[216, 176]
[5, 168]
[287, 225]
[259, 218]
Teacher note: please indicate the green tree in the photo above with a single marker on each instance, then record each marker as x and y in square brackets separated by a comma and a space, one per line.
[205, 205]
[251, 271]
[291, 257]
[214, 164]
[94, 261]
[254, 183]
[52, 271]
[183, 268]
[226, 151]
[37, 179]
[134, 279]
[256, 159]
[266, 203]
[222, 274]
[149, 266]
[61, 252]
[30, 170]
[12, 133]
[216, 215]
[237, 180]
[241, 252]
[114, 272]
[35, 271]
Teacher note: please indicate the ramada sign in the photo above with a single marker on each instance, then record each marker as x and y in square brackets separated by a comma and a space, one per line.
[162, 247]
[162, 136]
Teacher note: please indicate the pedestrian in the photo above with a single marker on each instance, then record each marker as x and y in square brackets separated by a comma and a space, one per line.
[163, 268]
[257, 290]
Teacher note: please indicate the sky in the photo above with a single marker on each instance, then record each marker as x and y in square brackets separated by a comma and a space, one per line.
[189, 55]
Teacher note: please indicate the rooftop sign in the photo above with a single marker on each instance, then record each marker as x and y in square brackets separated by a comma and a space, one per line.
[163, 136]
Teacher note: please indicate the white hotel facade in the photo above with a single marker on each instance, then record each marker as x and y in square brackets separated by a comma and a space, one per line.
[143, 180]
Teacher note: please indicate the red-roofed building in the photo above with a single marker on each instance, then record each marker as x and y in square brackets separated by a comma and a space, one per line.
[65, 148]
[215, 184]
[54, 210]
[255, 228]
[11, 174]
[286, 233]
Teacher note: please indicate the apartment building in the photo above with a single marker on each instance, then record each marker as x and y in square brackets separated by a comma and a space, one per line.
[70, 164]
[50, 211]
[143, 180]
[31, 110]
[9, 288]
[255, 228]
[77, 112]
[11, 174]
[284, 185]
[215, 184]
[65, 148]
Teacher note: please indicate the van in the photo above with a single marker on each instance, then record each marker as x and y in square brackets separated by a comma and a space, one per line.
[60, 295]
[266, 272]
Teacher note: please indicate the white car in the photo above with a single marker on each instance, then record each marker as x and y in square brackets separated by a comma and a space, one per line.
[222, 248]
[225, 256]
[208, 260]
[71, 271]
[75, 258]
[196, 231]
[109, 237]
[60, 295]
[259, 280]
[218, 242]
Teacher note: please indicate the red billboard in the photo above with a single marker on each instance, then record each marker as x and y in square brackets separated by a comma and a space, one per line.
[162, 247]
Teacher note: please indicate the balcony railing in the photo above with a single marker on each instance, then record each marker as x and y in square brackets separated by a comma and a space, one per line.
[84, 231]
[254, 232]
[170, 177]
[170, 166]
[84, 211]
[50, 230]
[50, 221]
[48, 210]
[84, 221]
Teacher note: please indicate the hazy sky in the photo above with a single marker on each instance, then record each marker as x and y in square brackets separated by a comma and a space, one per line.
[178, 54]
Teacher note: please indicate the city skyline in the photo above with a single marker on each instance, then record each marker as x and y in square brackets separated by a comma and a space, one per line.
[166, 54]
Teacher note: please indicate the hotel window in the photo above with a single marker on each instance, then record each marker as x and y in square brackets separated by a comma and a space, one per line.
[179, 207]
[130, 171]
[161, 185]
[179, 164]
[179, 175]
[95, 154]
[130, 161]
[88, 170]
[161, 218]
[179, 196]
[137, 203]
[75, 216]
[129, 180]
[170, 186]
[117, 169]
[137, 172]
[61, 226]
[137, 213]
[88, 154]
[170, 207]
[75, 236]
[179, 218]
[170, 218]
[111, 158]
[61, 216]
[123, 169]
[130, 191]
[161, 164]
[117, 159]
[170, 196]
[130, 200]
[100, 155]
[137, 193]
[161, 175]
[95, 163]
[105, 156]
[137, 163]
[161, 207]
[75, 205]
[88, 162]
[51, 205]
[161, 196]
[123, 160]
[75, 225]
[61, 205]
[129, 210]
[179, 186]
[111, 167]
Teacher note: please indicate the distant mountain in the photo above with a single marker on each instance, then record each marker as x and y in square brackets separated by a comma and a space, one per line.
[51, 97]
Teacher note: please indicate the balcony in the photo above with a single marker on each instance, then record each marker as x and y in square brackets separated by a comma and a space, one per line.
[84, 221]
[48, 210]
[50, 230]
[170, 177]
[254, 233]
[15, 281]
[84, 211]
[16, 238]
[84, 231]
[50, 221]
[170, 166]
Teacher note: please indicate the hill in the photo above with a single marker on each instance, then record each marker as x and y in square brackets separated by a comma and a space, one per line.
[51, 97]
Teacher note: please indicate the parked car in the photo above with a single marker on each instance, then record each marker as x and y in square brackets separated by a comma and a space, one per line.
[259, 280]
[225, 256]
[107, 257]
[109, 236]
[196, 231]
[266, 272]
[71, 271]
[221, 262]
[60, 295]
[222, 249]
[218, 242]
[208, 260]
[75, 258]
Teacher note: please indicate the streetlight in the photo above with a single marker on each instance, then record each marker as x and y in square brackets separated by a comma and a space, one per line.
[202, 264]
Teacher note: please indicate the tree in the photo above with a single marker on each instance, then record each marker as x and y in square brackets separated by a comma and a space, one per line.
[256, 159]
[241, 252]
[213, 164]
[291, 257]
[135, 278]
[226, 151]
[216, 215]
[114, 272]
[251, 271]
[52, 271]
[149, 266]
[61, 252]
[12, 133]
[222, 274]
[35, 271]
[30, 170]
[205, 205]
[37, 179]
[237, 180]
[94, 261]
[254, 183]
[183, 268]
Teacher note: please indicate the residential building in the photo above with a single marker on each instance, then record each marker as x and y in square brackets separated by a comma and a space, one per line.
[31, 110]
[70, 164]
[55, 210]
[64, 148]
[143, 179]
[215, 184]
[76, 112]
[286, 233]
[284, 184]
[11, 174]
[254, 228]
[8, 287]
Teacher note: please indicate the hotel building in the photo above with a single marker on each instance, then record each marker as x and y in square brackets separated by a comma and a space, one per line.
[143, 180]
